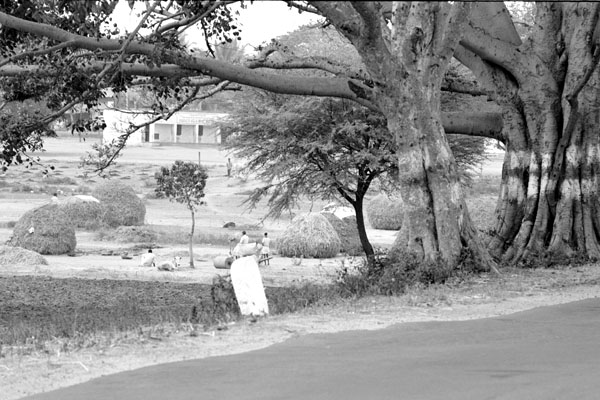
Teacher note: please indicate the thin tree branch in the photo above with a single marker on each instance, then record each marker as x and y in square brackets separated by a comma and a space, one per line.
[34, 53]
[302, 7]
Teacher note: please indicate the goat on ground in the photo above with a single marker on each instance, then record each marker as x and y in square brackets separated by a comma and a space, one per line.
[171, 265]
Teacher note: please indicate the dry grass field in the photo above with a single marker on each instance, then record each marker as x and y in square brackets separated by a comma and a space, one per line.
[95, 313]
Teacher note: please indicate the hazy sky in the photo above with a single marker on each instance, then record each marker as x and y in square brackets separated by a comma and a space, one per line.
[263, 20]
[260, 21]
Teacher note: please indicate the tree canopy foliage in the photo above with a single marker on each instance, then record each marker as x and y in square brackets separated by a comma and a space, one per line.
[543, 87]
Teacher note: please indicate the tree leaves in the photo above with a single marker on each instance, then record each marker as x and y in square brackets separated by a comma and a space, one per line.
[183, 182]
[320, 148]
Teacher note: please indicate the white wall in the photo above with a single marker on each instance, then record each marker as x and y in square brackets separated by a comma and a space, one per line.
[117, 123]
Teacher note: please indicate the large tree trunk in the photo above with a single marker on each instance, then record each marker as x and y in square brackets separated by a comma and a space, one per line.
[548, 200]
[437, 223]
[407, 68]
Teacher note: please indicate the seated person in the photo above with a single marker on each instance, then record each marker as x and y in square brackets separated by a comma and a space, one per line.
[147, 259]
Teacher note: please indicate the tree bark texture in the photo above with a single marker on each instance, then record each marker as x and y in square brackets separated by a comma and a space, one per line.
[548, 198]
[362, 229]
[408, 69]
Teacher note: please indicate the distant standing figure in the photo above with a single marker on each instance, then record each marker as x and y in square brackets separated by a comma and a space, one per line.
[147, 259]
[264, 252]
[244, 239]
[229, 167]
[54, 197]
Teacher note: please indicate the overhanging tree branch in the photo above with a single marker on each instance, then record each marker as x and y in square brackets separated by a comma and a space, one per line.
[313, 86]
[474, 124]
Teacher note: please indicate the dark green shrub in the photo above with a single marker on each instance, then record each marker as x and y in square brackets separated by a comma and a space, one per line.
[392, 273]
[291, 299]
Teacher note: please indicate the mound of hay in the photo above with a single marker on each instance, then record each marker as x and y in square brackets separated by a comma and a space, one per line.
[121, 205]
[347, 232]
[84, 212]
[338, 210]
[45, 230]
[10, 255]
[385, 213]
[135, 234]
[311, 236]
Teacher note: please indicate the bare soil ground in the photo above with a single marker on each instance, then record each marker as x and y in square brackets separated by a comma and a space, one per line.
[24, 372]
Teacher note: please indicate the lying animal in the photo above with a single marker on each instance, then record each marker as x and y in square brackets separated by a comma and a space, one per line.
[170, 265]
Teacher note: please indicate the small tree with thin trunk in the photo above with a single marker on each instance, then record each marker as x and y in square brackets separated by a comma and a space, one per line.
[184, 183]
[314, 148]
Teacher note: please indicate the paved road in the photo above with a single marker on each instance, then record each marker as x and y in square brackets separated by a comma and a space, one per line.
[546, 353]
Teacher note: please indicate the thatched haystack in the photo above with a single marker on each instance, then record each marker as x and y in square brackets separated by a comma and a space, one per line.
[311, 236]
[10, 255]
[385, 213]
[121, 205]
[46, 230]
[348, 233]
[84, 212]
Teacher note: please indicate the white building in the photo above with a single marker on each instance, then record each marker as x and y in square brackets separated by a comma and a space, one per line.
[194, 127]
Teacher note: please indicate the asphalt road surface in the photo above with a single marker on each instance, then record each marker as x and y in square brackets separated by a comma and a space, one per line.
[546, 353]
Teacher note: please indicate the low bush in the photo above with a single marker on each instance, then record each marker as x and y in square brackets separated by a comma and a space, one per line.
[392, 273]
[135, 234]
[299, 297]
